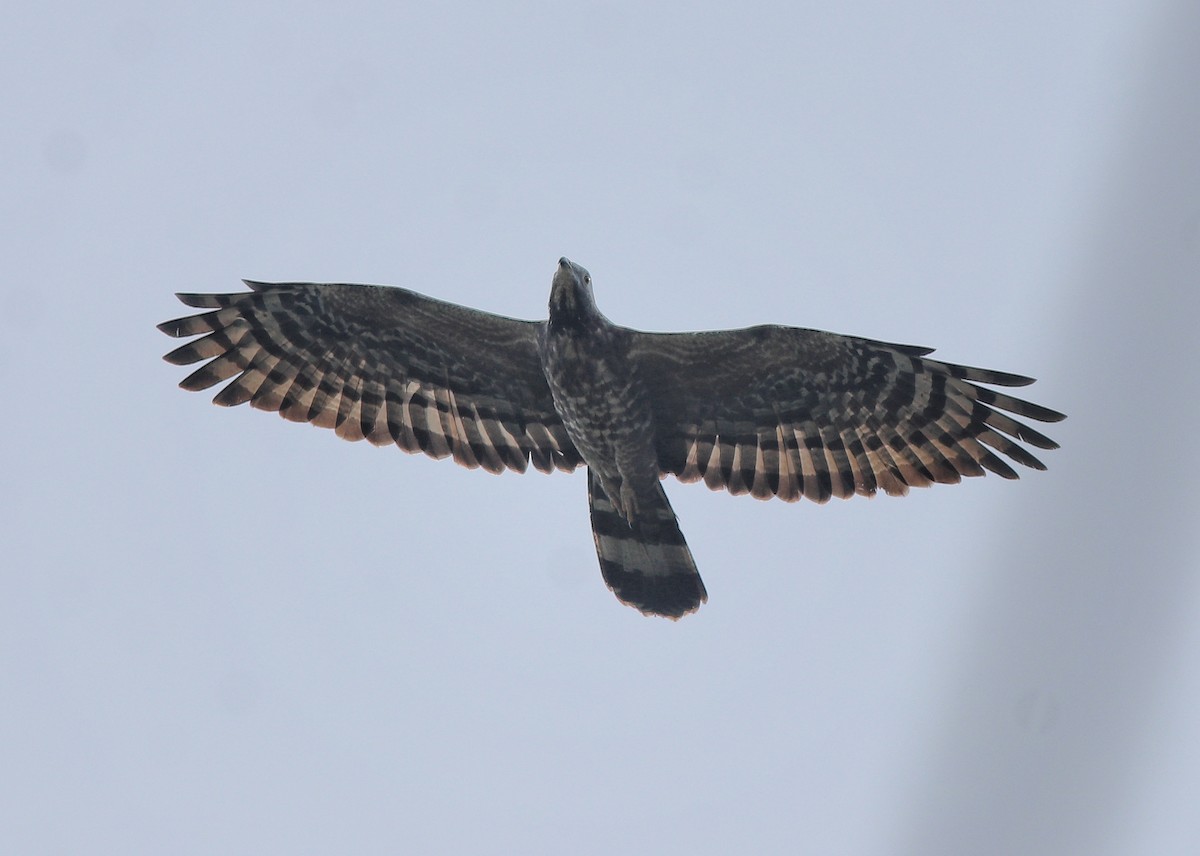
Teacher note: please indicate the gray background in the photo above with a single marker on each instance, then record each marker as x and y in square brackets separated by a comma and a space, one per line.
[222, 633]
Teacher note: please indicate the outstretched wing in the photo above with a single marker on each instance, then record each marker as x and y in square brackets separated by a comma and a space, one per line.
[385, 364]
[780, 411]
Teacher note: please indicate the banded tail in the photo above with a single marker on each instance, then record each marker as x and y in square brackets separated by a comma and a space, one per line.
[646, 563]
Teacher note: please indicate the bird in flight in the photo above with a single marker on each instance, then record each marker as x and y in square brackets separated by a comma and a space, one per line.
[770, 411]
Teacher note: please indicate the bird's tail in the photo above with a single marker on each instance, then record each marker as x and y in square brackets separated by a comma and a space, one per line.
[646, 562]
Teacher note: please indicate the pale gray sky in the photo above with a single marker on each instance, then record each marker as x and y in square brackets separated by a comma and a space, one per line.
[224, 633]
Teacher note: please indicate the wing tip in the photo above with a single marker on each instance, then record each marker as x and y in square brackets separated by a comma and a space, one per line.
[1009, 379]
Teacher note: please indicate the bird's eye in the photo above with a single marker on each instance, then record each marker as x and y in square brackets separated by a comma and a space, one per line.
[587, 279]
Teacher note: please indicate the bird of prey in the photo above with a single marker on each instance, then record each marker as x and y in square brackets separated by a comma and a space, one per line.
[771, 411]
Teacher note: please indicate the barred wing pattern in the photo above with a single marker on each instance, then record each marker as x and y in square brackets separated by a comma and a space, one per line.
[384, 364]
[786, 412]
[770, 411]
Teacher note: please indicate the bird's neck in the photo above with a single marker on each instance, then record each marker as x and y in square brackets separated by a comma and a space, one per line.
[572, 310]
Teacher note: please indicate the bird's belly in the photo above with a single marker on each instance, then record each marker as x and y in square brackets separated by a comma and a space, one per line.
[596, 415]
[604, 410]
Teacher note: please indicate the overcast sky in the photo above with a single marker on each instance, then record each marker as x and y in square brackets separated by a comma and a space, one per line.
[224, 633]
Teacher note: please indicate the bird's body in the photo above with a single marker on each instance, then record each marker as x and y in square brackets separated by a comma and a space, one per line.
[770, 411]
[598, 393]
[609, 416]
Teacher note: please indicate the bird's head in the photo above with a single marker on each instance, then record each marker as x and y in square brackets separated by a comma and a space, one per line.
[571, 298]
